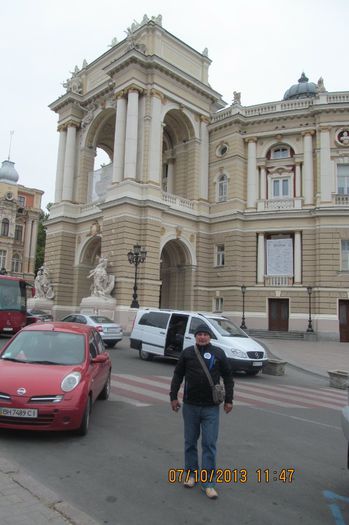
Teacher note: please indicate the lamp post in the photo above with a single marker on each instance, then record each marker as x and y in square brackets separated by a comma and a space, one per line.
[310, 326]
[136, 257]
[243, 291]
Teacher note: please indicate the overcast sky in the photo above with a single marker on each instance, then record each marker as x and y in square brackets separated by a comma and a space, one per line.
[257, 47]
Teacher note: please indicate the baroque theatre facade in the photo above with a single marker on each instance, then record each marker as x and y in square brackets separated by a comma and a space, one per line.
[219, 196]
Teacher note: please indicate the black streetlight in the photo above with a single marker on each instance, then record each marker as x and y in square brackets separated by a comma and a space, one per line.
[310, 326]
[136, 257]
[243, 324]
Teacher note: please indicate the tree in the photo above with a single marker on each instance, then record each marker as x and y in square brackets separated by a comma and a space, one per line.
[40, 247]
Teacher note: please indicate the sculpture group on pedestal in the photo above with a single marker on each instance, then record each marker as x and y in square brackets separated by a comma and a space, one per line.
[103, 283]
[43, 285]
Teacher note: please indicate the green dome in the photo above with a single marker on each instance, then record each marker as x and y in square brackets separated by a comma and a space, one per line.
[304, 89]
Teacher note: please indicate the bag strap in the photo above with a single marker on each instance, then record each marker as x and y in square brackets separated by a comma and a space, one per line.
[204, 367]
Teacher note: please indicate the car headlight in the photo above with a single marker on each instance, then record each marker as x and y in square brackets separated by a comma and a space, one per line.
[70, 381]
[238, 353]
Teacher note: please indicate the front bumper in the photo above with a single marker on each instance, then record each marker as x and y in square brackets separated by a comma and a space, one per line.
[247, 364]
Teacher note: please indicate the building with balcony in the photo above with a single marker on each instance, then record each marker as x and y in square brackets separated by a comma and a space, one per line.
[219, 196]
[19, 217]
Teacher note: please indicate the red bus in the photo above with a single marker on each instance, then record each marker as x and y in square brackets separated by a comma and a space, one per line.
[13, 303]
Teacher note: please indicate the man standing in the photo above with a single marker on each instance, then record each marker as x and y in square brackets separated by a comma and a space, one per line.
[199, 411]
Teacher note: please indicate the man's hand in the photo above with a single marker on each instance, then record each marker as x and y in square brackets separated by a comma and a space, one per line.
[228, 407]
[175, 404]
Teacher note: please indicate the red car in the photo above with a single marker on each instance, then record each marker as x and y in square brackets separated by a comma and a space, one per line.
[50, 376]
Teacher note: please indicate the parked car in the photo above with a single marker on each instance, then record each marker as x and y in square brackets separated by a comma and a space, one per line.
[168, 332]
[50, 376]
[345, 426]
[39, 314]
[110, 332]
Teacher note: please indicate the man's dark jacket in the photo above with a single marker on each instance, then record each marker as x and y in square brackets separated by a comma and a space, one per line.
[197, 390]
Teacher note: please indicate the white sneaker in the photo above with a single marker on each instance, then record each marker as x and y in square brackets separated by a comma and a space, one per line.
[210, 492]
[189, 483]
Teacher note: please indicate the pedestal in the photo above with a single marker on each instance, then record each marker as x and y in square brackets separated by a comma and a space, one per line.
[98, 306]
[339, 379]
[40, 303]
[274, 367]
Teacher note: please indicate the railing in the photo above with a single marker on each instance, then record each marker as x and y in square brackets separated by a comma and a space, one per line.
[174, 200]
[279, 204]
[278, 280]
[342, 200]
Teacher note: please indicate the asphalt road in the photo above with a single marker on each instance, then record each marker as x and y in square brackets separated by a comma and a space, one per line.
[118, 473]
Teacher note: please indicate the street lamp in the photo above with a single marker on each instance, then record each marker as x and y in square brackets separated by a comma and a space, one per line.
[136, 257]
[310, 326]
[243, 291]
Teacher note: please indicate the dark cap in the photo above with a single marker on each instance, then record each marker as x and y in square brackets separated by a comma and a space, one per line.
[204, 329]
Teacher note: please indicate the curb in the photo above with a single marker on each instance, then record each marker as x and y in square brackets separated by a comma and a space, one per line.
[45, 496]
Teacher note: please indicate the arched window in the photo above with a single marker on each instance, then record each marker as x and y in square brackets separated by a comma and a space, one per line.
[5, 227]
[2, 259]
[16, 263]
[222, 186]
[280, 152]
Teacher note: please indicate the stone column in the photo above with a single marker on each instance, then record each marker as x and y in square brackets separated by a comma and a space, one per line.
[298, 185]
[263, 183]
[261, 259]
[170, 174]
[251, 172]
[204, 147]
[130, 169]
[60, 163]
[297, 258]
[119, 138]
[155, 142]
[325, 165]
[69, 163]
[308, 177]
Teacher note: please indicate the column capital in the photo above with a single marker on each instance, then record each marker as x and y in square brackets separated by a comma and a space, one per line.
[133, 88]
[204, 119]
[308, 132]
[156, 93]
[250, 139]
[61, 127]
[69, 124]
[119, 94]
[324, 128]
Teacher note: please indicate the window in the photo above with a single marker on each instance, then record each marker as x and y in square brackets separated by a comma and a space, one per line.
[222, 150]
[281, 187]
[18, 232]
[281, 152]
[345, 256]
[218, 304]
[5, 227]
[21, 201]
[16, 263]
[2, 258]
[220, 255]
[93, 349]
[343, 179]
[157, 319]
[222, 188]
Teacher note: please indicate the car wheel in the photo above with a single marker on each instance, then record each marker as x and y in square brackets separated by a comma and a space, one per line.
[145, 356]
[83, 428]
[252, 372]
[106, 389]
[110, 344]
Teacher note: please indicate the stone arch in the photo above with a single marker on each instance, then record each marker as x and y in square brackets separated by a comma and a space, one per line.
[85, 261]
[272, 142]
[176, 274]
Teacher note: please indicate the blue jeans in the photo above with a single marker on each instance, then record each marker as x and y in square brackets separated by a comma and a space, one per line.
[206, 419]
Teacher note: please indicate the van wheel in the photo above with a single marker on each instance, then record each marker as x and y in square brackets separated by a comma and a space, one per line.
[145, 356]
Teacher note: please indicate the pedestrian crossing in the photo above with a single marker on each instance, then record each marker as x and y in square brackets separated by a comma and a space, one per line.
[142, 391]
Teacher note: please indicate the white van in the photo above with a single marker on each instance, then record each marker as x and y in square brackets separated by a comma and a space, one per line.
[167, 332]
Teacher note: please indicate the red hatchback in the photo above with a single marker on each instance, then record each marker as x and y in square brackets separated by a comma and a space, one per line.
[50, 376]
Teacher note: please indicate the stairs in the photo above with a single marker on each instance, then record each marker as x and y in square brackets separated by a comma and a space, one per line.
[266, 334]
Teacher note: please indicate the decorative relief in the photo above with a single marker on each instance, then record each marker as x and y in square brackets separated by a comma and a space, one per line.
[342, 137]
[162, 230]
[74, 84]
[179, 230]
[90, 108]
[95, 229]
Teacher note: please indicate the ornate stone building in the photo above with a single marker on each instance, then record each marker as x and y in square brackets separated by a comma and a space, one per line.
[219, 196]
[19, 218]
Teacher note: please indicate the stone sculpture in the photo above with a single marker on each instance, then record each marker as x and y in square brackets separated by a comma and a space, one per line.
[103, 283]
[43, 285]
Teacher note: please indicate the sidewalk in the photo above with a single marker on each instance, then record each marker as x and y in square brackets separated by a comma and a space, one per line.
[24, 501]
[313, 357]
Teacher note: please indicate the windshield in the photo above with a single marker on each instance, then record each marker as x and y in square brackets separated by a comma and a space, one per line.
[12, 295]
[226, 328]
[58, 348]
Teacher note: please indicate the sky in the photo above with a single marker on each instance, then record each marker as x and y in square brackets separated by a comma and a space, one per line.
[257, 47]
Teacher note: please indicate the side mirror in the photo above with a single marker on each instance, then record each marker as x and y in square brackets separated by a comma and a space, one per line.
[101, 358]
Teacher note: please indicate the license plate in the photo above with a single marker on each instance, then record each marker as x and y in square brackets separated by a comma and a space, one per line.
[257, 363]
[8, 329]
[18, 412]
[109, 330]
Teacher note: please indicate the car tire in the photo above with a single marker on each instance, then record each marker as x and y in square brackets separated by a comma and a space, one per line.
[110, 344]
[145, 356]
[252, 372]
[83, 428]
[106, 389]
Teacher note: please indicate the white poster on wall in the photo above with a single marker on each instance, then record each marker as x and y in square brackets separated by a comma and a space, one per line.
[279, 257]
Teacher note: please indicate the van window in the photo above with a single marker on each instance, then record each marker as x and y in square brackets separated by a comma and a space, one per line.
[195, 322]
[156, 319]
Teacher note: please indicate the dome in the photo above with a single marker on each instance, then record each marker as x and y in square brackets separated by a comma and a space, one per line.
[8, 172]
[304, 89]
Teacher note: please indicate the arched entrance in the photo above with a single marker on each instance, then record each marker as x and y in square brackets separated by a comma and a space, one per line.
[87, 261]
[176, 274]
